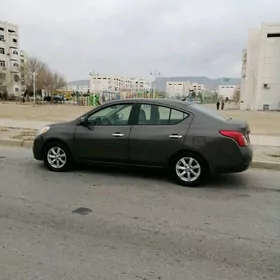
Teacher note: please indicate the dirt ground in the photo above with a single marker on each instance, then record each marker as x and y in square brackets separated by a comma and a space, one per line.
[264, 123]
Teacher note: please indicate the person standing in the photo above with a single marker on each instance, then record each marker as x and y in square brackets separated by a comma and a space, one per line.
[218, 105]
[223, 105]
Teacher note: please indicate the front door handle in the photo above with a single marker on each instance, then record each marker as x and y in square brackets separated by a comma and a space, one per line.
[175, 136]
[117, 134]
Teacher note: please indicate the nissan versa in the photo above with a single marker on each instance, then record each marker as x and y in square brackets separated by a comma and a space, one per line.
[187, 139]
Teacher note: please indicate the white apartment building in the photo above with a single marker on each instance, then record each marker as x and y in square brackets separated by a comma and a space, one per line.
[260, 83]
[117, 84]
[182, 89]
[81, 86]
[227, 91]
[10, 76]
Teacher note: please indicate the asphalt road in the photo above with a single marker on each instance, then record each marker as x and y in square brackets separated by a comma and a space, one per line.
[141, 227]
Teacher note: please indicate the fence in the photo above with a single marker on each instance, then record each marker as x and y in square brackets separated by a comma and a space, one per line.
[90, 99]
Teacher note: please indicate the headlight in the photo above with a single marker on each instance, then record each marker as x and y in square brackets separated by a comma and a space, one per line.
[43, 130]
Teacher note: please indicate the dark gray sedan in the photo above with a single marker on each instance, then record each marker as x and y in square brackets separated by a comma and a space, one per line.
[187, 139]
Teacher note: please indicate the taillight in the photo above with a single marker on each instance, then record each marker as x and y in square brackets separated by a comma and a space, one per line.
[235, 135]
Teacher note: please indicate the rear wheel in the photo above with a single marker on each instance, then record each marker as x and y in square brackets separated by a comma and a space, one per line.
[188, 169]
[57, 157]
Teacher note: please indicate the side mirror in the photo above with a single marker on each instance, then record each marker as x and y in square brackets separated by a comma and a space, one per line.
[82, 121]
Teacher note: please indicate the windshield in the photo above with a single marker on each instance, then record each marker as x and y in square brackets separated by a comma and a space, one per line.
[209, 112]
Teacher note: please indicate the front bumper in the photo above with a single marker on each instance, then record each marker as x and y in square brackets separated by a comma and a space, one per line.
[38, 145]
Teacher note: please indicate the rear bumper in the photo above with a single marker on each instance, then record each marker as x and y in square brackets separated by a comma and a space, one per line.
[244, 161]
[38, 145]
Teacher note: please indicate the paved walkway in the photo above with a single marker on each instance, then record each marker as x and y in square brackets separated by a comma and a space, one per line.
[258, 140]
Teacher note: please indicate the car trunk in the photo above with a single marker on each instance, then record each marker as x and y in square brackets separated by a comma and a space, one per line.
[240, 126]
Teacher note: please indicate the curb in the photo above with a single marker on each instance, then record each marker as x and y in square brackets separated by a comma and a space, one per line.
[16, 143]
[265, 165]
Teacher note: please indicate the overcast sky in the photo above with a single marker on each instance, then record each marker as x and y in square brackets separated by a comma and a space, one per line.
[132, 37]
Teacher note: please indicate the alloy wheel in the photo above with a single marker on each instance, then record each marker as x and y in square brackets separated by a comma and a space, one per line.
[188, 169]
[56, 157]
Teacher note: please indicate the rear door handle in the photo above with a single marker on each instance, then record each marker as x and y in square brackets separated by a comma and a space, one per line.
[117, 134]
[175, 136]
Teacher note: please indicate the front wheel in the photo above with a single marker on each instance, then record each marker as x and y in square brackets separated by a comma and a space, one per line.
[189, 169]
[57, 157]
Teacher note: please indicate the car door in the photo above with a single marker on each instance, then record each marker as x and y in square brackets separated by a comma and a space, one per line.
[158, 134]
[104, 136]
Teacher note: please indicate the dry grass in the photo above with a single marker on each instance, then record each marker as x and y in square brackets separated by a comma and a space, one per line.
[26, 135]
[41, 113]
[266, 123]
[3, 129]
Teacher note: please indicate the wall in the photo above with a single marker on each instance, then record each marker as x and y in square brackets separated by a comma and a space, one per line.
[262, 67]
[226, 91]
[268, 69]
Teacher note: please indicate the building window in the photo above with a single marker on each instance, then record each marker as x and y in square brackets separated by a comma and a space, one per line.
[2, 51]
[17, 89]
[14, 40]
[1, 29]
[15, 52]
[2, 38]
[22, 61]
[2, 63]
[273, 35]
[2, 78]
[15, 64]
[11, 31]
[16, 78]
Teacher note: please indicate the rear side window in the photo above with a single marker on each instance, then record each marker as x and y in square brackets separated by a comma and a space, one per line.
[208, 112]
[159, 115]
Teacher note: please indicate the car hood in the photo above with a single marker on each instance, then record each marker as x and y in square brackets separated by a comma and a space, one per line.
[69, 123]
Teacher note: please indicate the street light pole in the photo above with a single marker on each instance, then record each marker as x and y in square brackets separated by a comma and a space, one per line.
[155, 73]
[34, 85]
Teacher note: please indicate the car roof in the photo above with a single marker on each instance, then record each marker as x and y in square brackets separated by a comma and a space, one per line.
[159, 101]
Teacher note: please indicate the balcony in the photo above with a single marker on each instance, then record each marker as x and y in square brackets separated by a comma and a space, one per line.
[14, 67]
[13, 54]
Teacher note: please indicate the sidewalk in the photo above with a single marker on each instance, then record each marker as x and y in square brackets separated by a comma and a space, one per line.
[258, 140]
[23, 124]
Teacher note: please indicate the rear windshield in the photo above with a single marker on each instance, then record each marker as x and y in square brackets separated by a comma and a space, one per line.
[208, 112]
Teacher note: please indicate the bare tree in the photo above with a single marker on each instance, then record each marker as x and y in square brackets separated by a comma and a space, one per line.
[33, 65]
[53, 81]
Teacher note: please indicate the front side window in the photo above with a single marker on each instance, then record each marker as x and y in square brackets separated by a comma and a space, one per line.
[159, 115]
[113, 115]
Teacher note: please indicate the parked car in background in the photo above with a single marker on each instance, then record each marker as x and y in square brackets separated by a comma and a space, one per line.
[187, 139]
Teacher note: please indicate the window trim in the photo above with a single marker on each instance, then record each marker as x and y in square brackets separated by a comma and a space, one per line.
[98, 109]
[138, 107]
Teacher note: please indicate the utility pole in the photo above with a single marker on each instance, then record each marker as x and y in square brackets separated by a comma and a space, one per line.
[34, 85]
[155, 73]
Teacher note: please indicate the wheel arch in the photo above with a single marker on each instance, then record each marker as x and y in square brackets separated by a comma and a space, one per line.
[178, 153]
[54, 140]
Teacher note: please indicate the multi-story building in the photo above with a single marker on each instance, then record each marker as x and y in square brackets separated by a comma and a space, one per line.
[10, 68]
[227, 91]
[260, 83]
[183, 89]
[117, 84]
[81, 86]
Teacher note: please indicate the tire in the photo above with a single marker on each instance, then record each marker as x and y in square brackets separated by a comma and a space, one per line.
[185, 162]
[62, 154]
